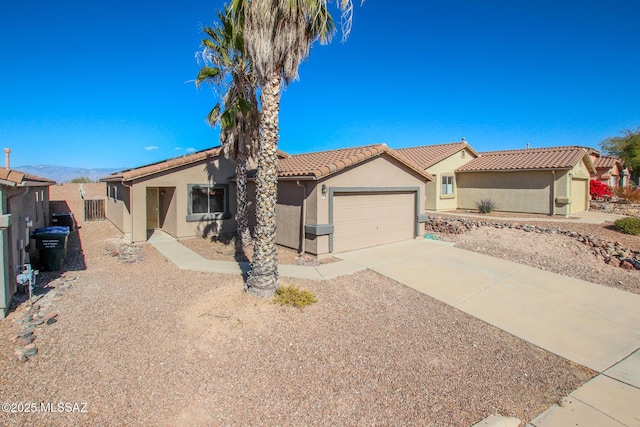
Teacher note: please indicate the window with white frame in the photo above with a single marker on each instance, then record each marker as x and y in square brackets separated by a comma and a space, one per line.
[447, 185]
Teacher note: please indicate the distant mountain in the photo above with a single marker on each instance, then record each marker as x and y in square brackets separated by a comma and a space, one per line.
[62, 174]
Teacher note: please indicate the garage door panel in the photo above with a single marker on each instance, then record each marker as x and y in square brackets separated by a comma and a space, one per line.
[365, 220]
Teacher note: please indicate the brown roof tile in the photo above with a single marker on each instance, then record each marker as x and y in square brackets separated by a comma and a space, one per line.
[169, 164]
[320, 164]
[20, 178]
[428, 155]
[164, 165]
[527, 159]
[606, 162]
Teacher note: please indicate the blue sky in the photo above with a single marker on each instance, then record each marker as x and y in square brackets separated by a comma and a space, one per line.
[110, 84]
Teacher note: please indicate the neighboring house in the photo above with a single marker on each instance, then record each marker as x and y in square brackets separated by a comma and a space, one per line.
[24, 206]
[610, 170]
[330, 201]
[552, 180]
[441, 161]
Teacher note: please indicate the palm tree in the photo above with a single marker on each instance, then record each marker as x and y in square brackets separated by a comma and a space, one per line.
[226, 66]
[278, 37]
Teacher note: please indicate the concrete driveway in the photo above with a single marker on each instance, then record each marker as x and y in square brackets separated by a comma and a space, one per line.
[593, 325]
[590, 324]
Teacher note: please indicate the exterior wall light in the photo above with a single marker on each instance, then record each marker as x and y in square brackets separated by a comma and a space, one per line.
[324, 189]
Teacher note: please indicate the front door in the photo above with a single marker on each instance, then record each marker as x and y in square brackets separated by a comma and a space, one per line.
[153, 208]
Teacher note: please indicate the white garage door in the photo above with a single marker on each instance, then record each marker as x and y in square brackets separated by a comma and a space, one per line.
[363, 220]
[579, 195]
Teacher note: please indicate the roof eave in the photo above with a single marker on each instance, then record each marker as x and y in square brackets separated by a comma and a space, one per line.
[514, 170]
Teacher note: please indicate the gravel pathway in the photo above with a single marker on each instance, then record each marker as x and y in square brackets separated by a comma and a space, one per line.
[143, 343]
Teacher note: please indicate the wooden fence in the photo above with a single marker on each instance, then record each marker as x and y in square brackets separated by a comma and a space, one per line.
[94, 210]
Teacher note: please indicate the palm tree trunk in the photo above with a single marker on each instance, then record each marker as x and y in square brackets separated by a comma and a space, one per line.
[243, 236]
[263, 277]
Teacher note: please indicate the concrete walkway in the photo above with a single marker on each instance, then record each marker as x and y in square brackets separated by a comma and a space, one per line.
[186, 259]
[593, 325]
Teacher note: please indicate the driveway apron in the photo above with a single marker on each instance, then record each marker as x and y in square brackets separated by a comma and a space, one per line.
[589, 324]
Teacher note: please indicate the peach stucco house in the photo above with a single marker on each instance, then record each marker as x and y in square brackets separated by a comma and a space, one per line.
[610, 170]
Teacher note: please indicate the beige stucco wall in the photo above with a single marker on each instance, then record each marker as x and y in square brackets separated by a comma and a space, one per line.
[380, 172]
[174, 201]
[545, 192]
[525, 191]
[117, 206]
[23, 204]
[67, 197]
[433, 198]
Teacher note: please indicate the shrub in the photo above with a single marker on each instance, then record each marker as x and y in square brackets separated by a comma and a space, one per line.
[81, 180]
[486, 206]
[598, 190]
[628, 225]
[631, 195]
[294, 296]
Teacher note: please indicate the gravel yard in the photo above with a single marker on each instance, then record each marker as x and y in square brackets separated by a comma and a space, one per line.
[143, 343]
[557, 253]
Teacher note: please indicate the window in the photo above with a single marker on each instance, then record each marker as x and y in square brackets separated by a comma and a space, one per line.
[447, 189]
[112, 192]
[208, 202]
[447, 185]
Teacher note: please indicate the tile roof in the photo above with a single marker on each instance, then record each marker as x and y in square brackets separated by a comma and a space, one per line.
[320, 164]
[428, 155]
[164, 165]
[605, 162]
[548, 158]
[17, 178]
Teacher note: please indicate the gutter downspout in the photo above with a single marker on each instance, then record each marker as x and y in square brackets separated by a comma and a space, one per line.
[304, 217]
[26, 190]
[131, 224]
[553, 194]
[4, 270]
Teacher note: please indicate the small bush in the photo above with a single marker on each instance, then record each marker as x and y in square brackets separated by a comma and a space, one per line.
[599, 190]
[486, 206]
[628, 226]
[294, 296]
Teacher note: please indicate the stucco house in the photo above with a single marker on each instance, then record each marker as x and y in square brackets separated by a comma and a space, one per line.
[352, 198]
[327, 202]
[441, 161]
[552, 180]
[185, 196]
[24, 206]
[610, 170]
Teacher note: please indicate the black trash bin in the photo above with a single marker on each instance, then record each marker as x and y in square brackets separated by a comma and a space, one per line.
[63, 219]
[51, 242]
